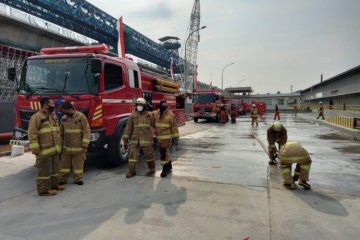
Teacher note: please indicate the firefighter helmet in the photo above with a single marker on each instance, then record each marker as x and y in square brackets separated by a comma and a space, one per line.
[140, 101]
[253, 105]
[320, 102]
[277, 126]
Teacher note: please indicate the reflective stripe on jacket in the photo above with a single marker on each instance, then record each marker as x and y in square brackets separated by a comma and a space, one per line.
[254, 112]
[44, 134]
[75, 132]
[139, 128]
[277, 136]
[166, 126]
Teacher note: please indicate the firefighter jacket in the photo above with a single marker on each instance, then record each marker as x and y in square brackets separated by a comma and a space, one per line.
[293, 152]
[75, 133]
[44, 134]
[166, 126]
[138, 128]
[254, 113]
[234, 112]
[321, 109]
[276, 136]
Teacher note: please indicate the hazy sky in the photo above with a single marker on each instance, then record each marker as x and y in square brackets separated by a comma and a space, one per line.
[273, 43]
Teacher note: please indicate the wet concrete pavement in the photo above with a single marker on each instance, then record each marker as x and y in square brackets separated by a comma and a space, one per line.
[221, 188]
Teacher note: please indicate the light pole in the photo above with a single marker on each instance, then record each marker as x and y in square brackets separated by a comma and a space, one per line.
[185, 70]
[222, 75]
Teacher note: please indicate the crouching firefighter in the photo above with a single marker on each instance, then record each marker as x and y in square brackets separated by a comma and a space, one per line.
[75, 132]
[45, 143]
[138, 132]
[277, 133]
[293, 152]
[166, 132]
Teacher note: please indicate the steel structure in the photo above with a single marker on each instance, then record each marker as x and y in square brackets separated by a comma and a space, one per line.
[10, 57]
[82, 17]
[192, 43]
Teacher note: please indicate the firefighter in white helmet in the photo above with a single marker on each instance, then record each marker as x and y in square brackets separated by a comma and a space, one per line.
[276, 133]
[254, 114]
[138, 133]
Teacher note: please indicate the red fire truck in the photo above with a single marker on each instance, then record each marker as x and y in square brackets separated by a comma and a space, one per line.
[101, 86]
[206, 104]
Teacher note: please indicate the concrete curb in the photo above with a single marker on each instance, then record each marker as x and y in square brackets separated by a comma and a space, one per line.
[352, 132]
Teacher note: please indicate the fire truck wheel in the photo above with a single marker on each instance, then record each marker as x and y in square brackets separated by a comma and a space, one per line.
[117, 154]
[196, 119]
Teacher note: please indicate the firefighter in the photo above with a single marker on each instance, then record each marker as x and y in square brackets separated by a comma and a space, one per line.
[321, 111]
[138, 133]
[223, 114]
[166, 132]
[293, 152]
[277, 113]
[75, 132]
[295, 110]
[277, 133]
[45, 143]
[254, 114]
[234, 113]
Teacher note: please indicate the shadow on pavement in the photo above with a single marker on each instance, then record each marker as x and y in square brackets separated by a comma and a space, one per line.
[322, 203]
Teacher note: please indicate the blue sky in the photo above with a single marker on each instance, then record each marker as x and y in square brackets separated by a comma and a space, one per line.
[273, 43]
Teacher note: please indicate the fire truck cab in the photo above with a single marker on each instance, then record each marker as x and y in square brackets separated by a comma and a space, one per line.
[102, 87]
[206, 105]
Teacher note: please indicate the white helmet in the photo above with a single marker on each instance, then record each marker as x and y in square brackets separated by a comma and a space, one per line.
[320, 102]
[253, 105]
[140, 101]
[277, 126]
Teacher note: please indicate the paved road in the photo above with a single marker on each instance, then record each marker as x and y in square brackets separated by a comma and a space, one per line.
[221, 188]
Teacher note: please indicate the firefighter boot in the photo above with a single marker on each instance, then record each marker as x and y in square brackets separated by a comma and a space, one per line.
[132, 170]
[306, 185]
[290, 186]
[59, 187]
[151, 165]
[165, 171]
[48, 193]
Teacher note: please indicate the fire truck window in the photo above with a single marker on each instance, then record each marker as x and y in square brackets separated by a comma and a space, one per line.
[113, 76]
[133, 78]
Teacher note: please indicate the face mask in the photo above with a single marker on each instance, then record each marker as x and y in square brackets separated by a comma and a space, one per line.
[51, 108]
[139, 108]
[69, 114]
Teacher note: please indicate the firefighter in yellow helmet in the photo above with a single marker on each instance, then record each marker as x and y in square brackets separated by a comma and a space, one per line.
[138, 132]
[166, 132]
[321, 111]
[75, 132]
[293, 152]
[254, 114]
[45, 143]
[276, 133]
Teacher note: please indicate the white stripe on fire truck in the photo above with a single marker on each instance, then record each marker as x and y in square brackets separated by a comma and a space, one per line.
[168, 101]
[110, 100]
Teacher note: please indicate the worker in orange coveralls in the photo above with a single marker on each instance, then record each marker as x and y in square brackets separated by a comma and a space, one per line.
[223, 114]
[234, 113]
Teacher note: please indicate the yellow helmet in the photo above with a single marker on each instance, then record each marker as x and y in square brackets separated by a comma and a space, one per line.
[277, 126]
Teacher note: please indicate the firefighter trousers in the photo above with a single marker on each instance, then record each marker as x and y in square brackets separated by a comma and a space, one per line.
[47, 172]
[303, 166]
[254, 120]
[164, 149]
[135, 152]
[76, 161]
[321, 114]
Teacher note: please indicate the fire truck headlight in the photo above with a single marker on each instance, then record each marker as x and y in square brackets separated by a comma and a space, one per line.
[19, 135]
[94, 137]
